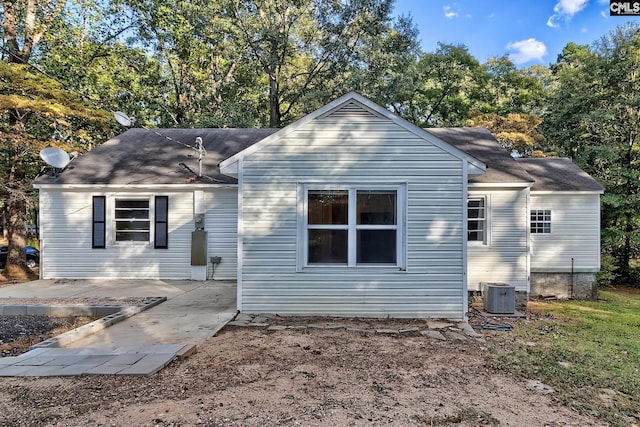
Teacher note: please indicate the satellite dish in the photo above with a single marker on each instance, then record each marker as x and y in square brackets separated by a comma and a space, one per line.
[55, 157]
[123, 119]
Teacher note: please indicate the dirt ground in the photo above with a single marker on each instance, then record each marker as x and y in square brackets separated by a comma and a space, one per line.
[313, 377]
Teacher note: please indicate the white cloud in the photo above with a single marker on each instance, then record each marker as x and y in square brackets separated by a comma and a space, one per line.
[570, 7]
[526, 50]
[565, 9]
[449, 13]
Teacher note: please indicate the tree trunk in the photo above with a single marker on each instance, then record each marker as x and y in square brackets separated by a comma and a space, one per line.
[629, 215]
[16, 267]
[274, 102]
[627, 250]
[16, 208]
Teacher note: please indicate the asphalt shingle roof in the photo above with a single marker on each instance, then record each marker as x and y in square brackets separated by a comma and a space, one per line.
[155, 156]
[147, 156]
[481, 144]
[558, 174]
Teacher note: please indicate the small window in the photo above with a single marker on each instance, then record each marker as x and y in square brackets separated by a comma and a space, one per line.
[353, 226]
[477, 219]
[540, 222]
[99, 222]
[132, 220]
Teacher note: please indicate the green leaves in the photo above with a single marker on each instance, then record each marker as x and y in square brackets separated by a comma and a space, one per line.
[593, 116]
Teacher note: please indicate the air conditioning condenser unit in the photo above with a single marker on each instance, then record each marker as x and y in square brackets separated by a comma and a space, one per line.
[499, 298]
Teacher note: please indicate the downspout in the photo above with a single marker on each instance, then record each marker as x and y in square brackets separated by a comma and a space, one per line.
[529, 246]
[465, 254]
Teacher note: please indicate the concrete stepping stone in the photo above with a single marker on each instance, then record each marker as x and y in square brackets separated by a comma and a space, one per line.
[455, 336]
[433, 334]
[436, 324]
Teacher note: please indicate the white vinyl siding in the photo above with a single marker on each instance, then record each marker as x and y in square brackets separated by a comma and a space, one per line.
[575, 233]
[66, 230]
[222, 226]
[503, 259]
[360, 150]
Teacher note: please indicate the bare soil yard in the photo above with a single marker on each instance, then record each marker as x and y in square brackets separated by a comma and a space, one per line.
[312, 377]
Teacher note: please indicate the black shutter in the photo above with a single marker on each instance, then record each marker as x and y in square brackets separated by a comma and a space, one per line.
[99, 222]
[161, 233]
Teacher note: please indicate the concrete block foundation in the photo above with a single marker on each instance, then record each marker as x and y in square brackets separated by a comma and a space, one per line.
[564, 285]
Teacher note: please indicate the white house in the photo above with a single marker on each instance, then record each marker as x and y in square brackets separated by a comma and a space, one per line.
[349, 211]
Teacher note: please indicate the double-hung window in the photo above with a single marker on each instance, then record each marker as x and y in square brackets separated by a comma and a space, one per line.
[477, 219]
[353, 226]
[540, 222]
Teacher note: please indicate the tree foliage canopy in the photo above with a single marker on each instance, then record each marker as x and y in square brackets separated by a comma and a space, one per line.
[593, 116]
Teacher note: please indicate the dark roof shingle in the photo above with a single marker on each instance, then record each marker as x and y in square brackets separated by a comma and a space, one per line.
[558, 174]
[481, 144]
[145, 156]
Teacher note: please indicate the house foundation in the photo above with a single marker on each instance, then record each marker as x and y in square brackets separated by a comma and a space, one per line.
[563, 285]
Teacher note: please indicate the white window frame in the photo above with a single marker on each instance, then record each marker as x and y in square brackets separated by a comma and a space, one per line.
[486, 241]
[111, 223]
[542, 222]
[352, 227]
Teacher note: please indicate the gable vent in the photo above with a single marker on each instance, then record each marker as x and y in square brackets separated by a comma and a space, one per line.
[352, 110]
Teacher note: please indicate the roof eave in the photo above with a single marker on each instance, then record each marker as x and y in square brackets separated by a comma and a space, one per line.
[552, 192]
[189, 186]
[500, 184]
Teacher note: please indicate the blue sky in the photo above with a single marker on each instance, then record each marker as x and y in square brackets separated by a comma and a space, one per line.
[530, 31]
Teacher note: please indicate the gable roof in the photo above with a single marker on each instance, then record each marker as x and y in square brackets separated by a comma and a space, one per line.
[343, 105]
[559, 174]
[481, 144]
[164, 156]
[144, 156]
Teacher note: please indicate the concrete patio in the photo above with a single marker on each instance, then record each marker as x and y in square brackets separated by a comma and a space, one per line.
[140, 345]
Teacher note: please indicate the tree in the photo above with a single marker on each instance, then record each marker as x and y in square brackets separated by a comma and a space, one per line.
[202, 70]
[448, 85]
[516, 132]
[24, 23]
[34, 108]
[594, 117]
[308, 50]
[513, 90]
[90, 51]
[228, 62]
